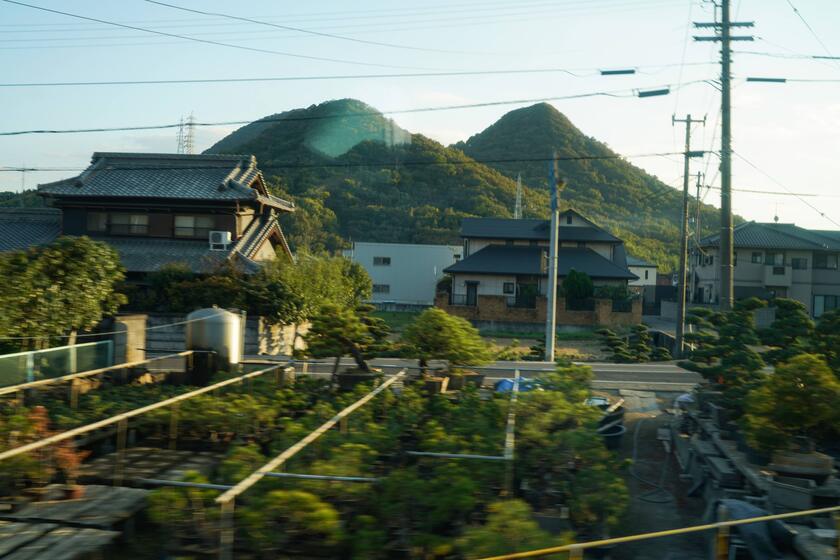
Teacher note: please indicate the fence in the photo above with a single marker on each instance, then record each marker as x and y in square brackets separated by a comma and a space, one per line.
[35, 365]
[575, 304]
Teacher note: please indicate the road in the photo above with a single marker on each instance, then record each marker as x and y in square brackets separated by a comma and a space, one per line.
[666, 377]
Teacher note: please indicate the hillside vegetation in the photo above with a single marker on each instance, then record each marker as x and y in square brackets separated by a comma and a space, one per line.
[355, 175]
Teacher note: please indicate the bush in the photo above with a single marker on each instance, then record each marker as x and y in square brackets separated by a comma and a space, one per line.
[578, 285]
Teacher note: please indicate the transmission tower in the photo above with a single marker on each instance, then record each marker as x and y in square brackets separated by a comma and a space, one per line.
[517, 209]
[185, 134]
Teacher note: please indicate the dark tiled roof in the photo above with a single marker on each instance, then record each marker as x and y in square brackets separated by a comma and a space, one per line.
[513, 259]
[147, 254]
[21, 228]
[633, 261]
[756, 235]
[501, 228]
[168, 176]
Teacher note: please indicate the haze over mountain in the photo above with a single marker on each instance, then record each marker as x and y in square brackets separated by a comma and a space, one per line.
[356, 175]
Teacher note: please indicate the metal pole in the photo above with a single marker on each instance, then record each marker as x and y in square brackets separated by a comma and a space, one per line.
[691, 287]
[726, 234]
[227, 530]
[551, 288]
[122, 429]
[722, 540]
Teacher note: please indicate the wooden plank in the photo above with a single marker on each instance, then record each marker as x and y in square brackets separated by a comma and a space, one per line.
[14, 535]
[64, 543]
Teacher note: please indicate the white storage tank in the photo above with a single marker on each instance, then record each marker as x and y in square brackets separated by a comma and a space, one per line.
[219, 330]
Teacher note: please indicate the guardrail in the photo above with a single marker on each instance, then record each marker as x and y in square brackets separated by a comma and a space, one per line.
[23, 367]
[721, 546]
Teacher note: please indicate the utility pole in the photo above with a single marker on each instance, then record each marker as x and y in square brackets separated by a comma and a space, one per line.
[678, 347]
[723, 29]
[554, 184]
[691, 286]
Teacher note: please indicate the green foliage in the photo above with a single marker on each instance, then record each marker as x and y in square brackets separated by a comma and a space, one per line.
[52, 290]
[21, 199]
[240, 462]
[186, 511]
[292, 522]
[437, 335]
[800, 396]
[616, 345]
[614, 292]
[723, 352]
[336, 331]
[826, 339]
[640, 345]
[509, 528]
[789, 333]
[578, 285]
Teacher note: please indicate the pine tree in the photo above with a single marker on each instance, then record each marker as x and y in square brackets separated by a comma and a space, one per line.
[789, 332]
[336, 331]
[640, 348]
[826, 339]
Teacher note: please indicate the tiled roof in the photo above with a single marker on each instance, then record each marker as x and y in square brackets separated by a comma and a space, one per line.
[168, 176]
[502, 228]
[517, 259]
[21, 228]
[754, 235]
[633, 261]
[148, 254]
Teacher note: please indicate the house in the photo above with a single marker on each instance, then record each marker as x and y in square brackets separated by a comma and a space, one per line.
[644, 270]
[773, 260]
[503, 275]
[405, 275]
[157, 209]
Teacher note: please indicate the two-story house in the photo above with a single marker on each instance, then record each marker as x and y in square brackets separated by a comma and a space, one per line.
[156, 209]
[773, 260]
[503, 275]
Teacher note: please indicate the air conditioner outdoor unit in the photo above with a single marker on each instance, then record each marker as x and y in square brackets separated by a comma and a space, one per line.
[219, 240]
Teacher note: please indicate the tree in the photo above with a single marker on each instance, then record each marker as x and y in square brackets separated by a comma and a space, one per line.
[801, 395]
[616, 345]
[826, 339]
[723, 354]
[640, 347]
[336, 331]
[578, 285]
[510, 528]
[58, 289]
[437, 335]
[789, 333]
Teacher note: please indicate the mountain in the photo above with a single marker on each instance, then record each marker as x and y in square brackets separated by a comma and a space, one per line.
[21, 199]
[614, 193]
[355, 175]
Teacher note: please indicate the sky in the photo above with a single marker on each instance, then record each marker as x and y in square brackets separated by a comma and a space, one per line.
[786, 137]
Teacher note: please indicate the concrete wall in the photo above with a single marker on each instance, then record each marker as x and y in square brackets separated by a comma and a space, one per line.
[413, 273]
[494, 308]
[640, 272]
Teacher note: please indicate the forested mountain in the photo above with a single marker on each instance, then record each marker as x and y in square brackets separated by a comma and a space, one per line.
[21, 199]
[632, 204]
[355, 175]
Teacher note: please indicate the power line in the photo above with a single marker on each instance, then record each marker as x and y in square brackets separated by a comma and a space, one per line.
[296, 165]
[811, 29]
[301, 30]
[209, 41]
[645, 92]
[800, 197]
[777, 193]
[574, 72]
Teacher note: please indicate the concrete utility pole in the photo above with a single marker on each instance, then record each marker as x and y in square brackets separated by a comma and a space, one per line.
[691, 286]
[678, 347]
[723, 34]
[551, 288]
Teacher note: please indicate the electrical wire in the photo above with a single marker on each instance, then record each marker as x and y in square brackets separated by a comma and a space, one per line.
[777, 193]
[801, 198]
[811, 29]
[211, 42]
[301, 30]
[615, 93]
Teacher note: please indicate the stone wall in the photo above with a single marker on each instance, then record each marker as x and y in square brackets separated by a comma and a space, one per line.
[495, 308]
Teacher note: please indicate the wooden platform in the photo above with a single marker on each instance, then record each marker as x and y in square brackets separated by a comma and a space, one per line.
[50, 541]
[149, 462]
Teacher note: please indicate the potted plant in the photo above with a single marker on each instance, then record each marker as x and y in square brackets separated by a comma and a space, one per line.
[437, 335]
[68, 461]
[783, 413]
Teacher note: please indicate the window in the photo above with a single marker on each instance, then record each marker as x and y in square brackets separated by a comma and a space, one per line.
[508, 288]
[381, 261]
[799, 263]
[825, 303]
[568, 219]
[825, 260]
[381, 288]
[97, 221]
[457, 257]
[757, 257]
[193, 226]
[129, 224]
[647, 272]
[775, 259]
[709, 260]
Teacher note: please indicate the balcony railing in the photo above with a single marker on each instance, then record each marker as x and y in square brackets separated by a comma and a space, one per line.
[522, 301]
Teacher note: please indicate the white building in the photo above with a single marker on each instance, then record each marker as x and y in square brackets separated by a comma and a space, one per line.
[644, 270]
[404, 274]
